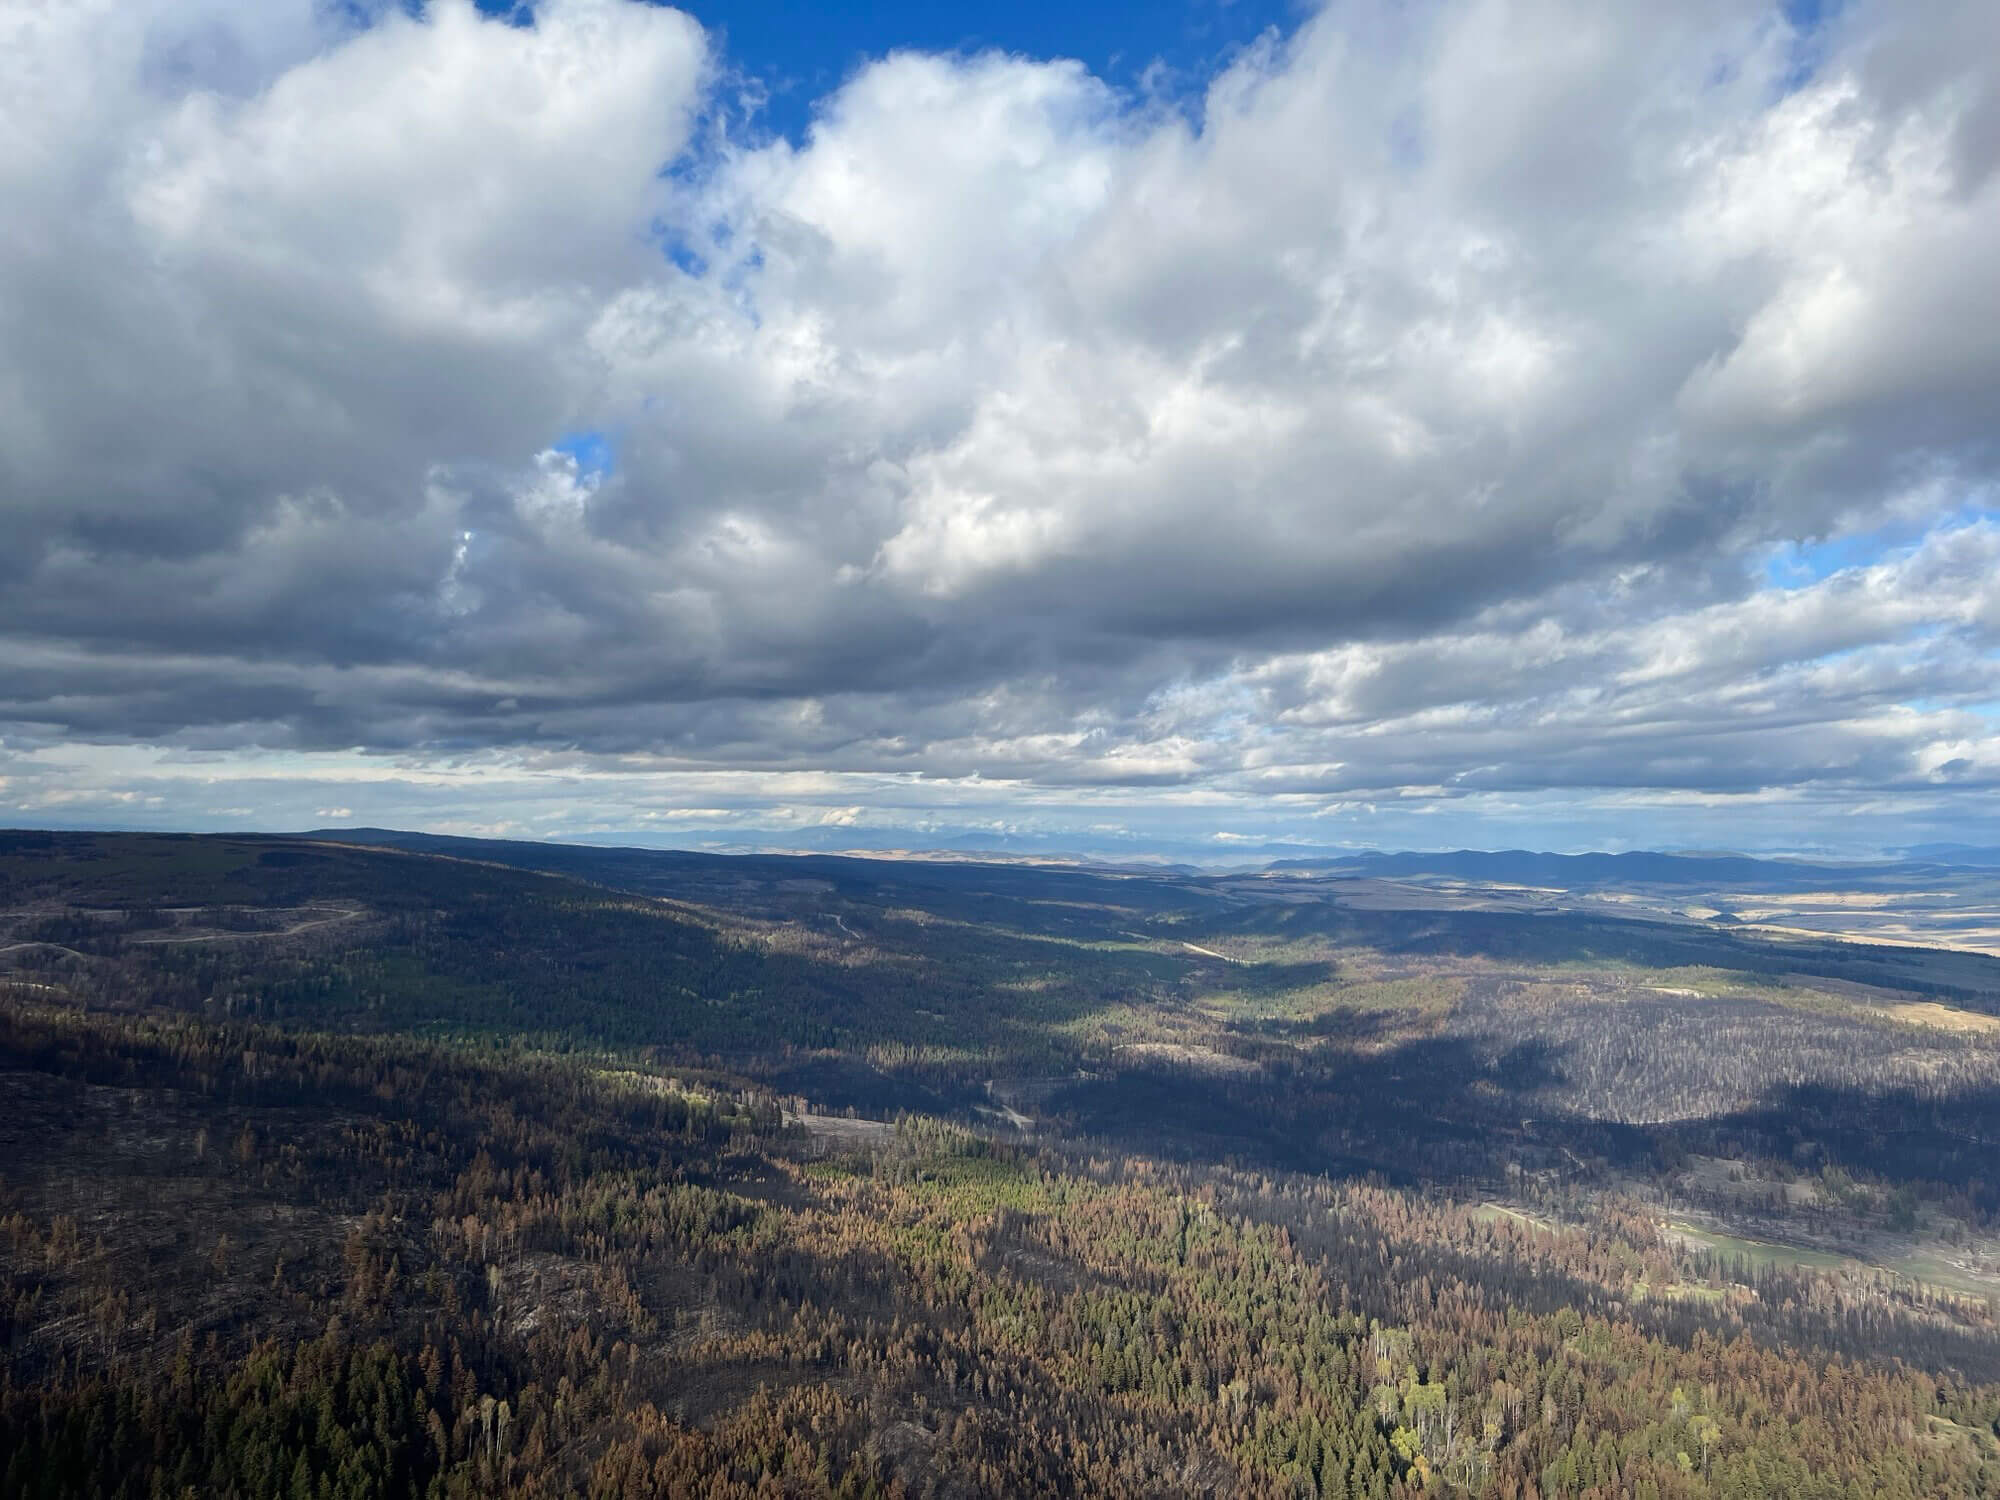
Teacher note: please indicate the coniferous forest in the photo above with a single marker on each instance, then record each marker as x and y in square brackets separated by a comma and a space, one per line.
[344, 1170]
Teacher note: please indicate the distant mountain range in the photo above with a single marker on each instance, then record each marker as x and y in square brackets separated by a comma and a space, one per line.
[1954, 854]
[1574, 871]
[1569, 872]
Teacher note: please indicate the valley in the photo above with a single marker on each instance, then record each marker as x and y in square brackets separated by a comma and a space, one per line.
[818, 1175]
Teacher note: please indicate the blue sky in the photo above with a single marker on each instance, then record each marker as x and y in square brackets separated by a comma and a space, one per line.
[800, 53]
[1467, 423]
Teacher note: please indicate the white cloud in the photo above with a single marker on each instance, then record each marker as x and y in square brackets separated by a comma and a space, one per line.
[1417, 411]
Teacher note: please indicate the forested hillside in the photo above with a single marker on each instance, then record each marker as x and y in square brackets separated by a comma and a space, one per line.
[339, 1171]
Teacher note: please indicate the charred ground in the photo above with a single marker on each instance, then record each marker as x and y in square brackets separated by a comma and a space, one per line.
[338, 1169]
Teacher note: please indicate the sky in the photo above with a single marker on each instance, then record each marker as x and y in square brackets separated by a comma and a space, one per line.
[1188, 429]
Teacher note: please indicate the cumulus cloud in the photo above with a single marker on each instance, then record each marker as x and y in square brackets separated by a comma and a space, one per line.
[1412, 414]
